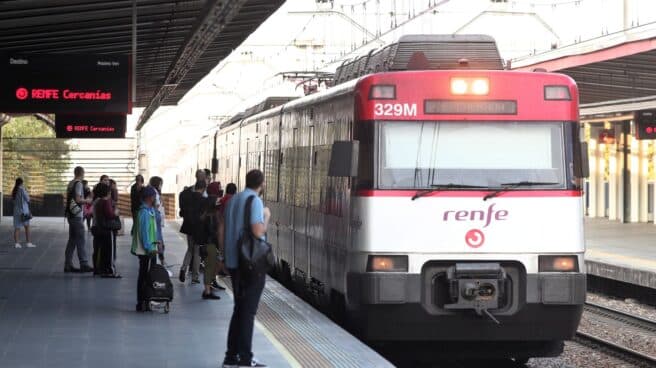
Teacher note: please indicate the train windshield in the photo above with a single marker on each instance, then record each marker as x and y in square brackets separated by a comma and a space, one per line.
[487, 154]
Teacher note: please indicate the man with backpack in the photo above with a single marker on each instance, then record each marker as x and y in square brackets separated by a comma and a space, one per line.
[247, 285]
[74, 214]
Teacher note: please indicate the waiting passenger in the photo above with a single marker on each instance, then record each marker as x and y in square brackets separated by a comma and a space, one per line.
[156, 183]
[144, 244]
[22, 213]
[230, 191]
[74, 201]
[87, 209]
[191, 221]
[104, 222]
[247, 286]
[135, 198]
[206, 237]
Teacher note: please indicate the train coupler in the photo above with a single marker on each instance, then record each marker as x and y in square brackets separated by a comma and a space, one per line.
[476, 286]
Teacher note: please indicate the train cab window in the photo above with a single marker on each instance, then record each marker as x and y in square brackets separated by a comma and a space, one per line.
[486, 154]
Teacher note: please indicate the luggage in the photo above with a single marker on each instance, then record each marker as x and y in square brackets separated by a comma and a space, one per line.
[159, 288]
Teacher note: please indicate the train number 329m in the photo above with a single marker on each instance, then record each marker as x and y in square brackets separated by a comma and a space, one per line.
[395, 109]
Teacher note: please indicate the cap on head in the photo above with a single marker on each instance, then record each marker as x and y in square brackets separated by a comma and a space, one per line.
[148, 192]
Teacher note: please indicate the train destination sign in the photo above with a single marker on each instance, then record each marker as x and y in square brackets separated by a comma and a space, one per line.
[43, 83]
[90, 126]
[645, 124]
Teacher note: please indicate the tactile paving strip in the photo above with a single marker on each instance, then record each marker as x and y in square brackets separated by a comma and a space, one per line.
[309, 336]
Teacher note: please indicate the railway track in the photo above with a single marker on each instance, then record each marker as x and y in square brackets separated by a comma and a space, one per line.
[629, 355]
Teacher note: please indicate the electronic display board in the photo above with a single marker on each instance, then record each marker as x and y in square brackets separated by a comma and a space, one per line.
[645, 123]
[90, 126]
[33, 83]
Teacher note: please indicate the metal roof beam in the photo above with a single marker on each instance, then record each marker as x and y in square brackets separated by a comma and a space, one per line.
[214, 18]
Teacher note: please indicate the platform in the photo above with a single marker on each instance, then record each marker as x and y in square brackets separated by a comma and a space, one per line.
[622, 252]
[51, 319]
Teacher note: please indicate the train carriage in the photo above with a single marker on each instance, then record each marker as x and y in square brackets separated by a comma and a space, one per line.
[433, 205]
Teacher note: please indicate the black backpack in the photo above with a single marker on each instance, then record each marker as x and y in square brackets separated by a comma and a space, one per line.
[255, 254]
[159, 287]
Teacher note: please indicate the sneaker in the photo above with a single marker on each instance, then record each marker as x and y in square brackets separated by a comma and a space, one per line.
[211, 296]
[86, 268]
[183, 275]
[252, 363]
[71, 269]
[30, 245]
[230, 362]
[18, 246]
[195, 281]
[215, 285]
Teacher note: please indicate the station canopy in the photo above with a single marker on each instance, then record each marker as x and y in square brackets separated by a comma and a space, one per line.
[178, 42]
[615, 71]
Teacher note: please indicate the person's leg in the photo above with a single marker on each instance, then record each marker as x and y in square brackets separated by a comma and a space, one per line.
[232, 352]
[106, 255]
[27, 234]
[195, 263]
[70, 246]
[187, 258]
[80, 243]
[141, 281]
[16, 235]
[210, 269]
[251, 299]
[95, 256]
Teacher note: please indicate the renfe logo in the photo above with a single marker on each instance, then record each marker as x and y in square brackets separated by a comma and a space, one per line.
[476, 215]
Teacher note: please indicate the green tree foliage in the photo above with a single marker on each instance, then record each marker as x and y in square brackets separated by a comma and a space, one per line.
[31, 151]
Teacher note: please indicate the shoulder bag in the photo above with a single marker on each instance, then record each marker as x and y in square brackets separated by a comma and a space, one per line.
[255, 254]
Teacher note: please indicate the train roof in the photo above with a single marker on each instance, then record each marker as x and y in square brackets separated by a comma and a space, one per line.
[266, 104]
[425, 52]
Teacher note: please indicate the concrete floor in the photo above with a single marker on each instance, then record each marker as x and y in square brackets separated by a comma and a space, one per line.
[51, 319]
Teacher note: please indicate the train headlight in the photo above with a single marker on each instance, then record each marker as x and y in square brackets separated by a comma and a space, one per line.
[480, 86]
[558, 264]
[387, 264]
[459, 86]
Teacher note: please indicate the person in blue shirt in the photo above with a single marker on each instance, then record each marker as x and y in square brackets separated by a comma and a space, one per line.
[247, 287]
[145, 243]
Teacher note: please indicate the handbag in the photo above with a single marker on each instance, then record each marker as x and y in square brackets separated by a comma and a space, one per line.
[255, 254]
[113, 224]
[26, 217]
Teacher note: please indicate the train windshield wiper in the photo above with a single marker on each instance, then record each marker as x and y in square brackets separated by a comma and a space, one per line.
[436, 187]
[508, 186]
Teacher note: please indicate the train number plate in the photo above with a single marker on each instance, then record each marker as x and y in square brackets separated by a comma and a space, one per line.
[395, 109]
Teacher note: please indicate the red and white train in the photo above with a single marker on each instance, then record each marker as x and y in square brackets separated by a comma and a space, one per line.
[431, 205]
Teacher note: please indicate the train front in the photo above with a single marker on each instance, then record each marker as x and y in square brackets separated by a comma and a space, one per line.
[468, 219]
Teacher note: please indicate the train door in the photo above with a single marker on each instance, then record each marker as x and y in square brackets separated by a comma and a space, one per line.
[308, 154]
[299, 211]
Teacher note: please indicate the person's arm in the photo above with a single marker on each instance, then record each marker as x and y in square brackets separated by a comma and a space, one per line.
[79, 194]
[26, 196]
[258, 220]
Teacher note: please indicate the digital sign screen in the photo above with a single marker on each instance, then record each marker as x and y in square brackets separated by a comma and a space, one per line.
[645, 122]
[34, 83]
[470, 107]
[90, 126]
